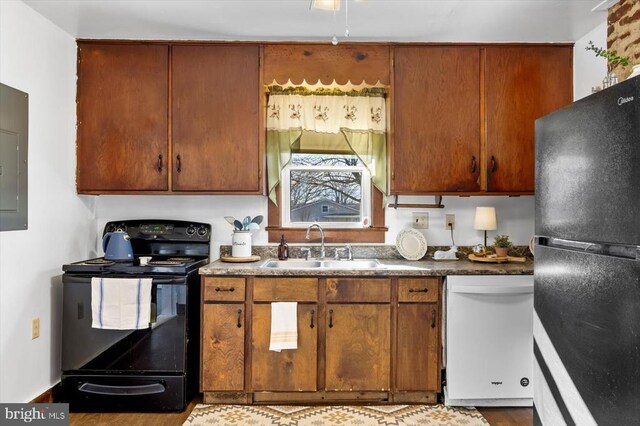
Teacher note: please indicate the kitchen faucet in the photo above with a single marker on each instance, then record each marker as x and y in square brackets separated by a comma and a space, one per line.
[346, 249]
[317, 225]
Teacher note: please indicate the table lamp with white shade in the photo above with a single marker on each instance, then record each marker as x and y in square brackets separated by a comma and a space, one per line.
[485, 220]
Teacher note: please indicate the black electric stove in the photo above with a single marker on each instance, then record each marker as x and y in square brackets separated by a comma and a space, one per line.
[152, 369]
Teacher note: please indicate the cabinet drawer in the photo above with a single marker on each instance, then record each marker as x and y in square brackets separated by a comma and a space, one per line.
[285, 289]
[358, 290]
[418, 290]
[223, 289]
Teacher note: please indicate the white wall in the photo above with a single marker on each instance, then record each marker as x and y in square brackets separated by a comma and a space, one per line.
[199, 208]
[40, 59]
[589, 70]
[514, 215]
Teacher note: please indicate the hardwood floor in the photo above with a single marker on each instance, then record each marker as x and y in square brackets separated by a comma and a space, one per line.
[495, 416]
[132, 419]
[516, 416]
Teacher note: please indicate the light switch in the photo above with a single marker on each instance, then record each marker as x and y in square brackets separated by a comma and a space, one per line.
[421, 220]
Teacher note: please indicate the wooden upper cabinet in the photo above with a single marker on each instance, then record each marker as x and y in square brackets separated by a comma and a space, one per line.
[215, 104]
[436, 105]
[522, 84]
[325, 63]
[122, 117]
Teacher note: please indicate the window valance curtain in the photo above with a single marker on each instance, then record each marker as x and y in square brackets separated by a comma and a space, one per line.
[326, 120]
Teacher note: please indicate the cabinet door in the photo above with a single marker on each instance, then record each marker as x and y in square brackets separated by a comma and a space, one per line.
[122, 117]
[357, 347]
[418, 361]
[288, 370]
[522, 85]
[215, 124]
[223, 347]
[436, 147]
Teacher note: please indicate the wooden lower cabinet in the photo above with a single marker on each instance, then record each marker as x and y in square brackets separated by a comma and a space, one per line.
[418, 347]
[288, 370]
[223, 354]
[359, 339]
[418, 335]
[358, 347]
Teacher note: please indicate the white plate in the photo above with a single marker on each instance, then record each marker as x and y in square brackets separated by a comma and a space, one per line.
[411, 244]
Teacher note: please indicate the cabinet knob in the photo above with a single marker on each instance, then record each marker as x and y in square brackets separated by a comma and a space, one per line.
[159, 164]
[493, 164]
[433, 318]
[330, 318]
[178, 164]
[239, 317]
[231, 289]
[312, 313]
[418, 290]
[473, 164]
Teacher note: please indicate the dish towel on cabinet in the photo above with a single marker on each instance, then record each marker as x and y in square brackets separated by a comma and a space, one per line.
[120, 303]
[284, 326]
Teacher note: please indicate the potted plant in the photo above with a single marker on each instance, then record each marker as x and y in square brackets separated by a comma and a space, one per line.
[502, 245]
[613, 60]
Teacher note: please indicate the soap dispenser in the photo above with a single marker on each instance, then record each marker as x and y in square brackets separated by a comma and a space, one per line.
[283, 249]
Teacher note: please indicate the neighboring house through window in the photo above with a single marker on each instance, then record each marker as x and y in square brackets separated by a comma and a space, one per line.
[331, 189]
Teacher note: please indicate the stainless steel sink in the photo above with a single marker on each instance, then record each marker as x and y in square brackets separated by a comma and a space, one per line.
[323, 264]
[292, 264]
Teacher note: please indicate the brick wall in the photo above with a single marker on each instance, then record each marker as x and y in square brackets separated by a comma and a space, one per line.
[623, 33]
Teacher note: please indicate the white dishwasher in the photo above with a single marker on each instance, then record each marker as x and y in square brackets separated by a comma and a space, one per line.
[489, 340]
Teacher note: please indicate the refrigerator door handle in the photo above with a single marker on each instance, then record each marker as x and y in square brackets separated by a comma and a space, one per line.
[495, 289]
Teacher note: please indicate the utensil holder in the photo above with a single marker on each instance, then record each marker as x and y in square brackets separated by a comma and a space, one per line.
[241, 244]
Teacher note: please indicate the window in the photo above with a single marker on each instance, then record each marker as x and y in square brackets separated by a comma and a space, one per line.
[331, 189]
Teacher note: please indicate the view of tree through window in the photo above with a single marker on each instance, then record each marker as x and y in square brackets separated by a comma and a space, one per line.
[324, 189]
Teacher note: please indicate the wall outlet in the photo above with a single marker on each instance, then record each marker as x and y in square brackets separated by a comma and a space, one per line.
[35, 328]
[421, 220]
[450, 221]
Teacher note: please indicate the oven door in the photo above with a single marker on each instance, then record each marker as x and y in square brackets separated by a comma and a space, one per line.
[159, 349]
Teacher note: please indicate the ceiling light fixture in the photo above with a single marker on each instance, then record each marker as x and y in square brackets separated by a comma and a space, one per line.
[333, 5]
[325, 4]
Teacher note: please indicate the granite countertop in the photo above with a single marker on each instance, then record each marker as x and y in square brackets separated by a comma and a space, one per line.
[386, 254]
[393, 267]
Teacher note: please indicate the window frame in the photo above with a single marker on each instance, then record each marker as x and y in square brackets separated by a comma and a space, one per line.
[365, 202]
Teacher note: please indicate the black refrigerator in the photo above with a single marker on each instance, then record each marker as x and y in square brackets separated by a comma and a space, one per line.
[587, 261]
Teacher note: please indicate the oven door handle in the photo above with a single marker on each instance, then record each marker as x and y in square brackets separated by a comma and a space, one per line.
[149, 389]
[87, 279]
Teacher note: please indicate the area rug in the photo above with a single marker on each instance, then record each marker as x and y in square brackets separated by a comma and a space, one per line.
[289, 415]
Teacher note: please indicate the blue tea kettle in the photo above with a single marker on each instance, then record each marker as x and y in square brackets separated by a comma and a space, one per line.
[117, 247]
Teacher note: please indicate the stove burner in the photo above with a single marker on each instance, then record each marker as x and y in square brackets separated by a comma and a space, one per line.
[166, 263]
[180, 259]
[99, 262]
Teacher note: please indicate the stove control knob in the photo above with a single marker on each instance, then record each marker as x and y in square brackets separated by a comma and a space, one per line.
[202, 231]
[191, 230]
